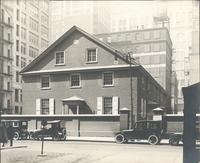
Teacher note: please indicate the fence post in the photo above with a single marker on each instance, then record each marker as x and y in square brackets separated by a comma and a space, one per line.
[124, 118]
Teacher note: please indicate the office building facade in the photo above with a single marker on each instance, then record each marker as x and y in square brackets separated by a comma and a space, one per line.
[194, 57]
[6, 57]
[92, 16]
[30, 36]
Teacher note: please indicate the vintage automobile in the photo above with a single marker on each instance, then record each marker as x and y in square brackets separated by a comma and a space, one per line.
[52, 129]
[143, 130]
[20, 128]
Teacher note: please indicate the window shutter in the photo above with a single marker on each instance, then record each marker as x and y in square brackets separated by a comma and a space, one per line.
[51, 106]
[99, 105]
[115, 105]
[142, 107]
[145, 109]
[38, 106]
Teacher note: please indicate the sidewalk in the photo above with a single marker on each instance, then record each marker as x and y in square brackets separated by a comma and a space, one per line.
[11, 147]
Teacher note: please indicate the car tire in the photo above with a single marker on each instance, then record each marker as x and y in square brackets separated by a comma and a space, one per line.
[153, 140]
[120, 138]
[32, 136]
[55, 138]
[174, 141]
[16, 135]
[64, 134]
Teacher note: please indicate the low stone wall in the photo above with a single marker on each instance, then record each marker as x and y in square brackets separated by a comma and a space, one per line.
[77, 125]
[92, 128]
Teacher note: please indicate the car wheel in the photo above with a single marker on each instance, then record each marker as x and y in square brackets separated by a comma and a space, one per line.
[153, 140]
[119, 138]
[64, 134]
[16, 135]
[56, 138]
[173, 141]
[31, 135]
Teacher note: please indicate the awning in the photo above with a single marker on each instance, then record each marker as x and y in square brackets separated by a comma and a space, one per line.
[73, 98]
[55, 121]
[158, 109]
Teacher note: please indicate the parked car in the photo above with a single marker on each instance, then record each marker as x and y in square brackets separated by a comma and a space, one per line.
[143, 130]
[20, 128]
[53, 129]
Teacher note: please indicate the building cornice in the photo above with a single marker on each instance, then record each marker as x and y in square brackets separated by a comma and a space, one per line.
[78, 69]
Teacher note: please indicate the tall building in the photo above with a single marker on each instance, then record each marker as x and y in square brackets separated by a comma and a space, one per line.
[176, 16]
[132, 15]
[180, 15]
[194, 58]
[152, 48]
[6, 56]
[30, 37]
[92, 16]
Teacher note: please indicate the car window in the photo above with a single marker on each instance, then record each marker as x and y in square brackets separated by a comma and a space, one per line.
[141, 126]
[23, 123]
[153, 125]
[48, 126]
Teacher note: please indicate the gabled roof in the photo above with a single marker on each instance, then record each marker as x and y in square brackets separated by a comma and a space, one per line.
[67, 34]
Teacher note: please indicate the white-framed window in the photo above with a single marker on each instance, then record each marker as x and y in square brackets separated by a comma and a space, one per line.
[146, 47]
[45, 82]
[156, 47]
[44, 106]
[137, 36]
[91, 55]
[107, 105]
[75, 80]
[60, 58]
[33, 52]
[23, 48]
[108, 78]
[156, 34]
[147, 35]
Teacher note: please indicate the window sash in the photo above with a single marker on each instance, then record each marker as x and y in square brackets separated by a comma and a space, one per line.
[45, 82]
[75, 80]
[108, 78]
[91, 55]
[60, 58]
[107, 104]
[45, 106]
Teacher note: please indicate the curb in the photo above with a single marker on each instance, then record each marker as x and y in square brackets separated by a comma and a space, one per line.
[91, 139]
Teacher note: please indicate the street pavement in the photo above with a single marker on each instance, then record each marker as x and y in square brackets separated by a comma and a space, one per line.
[81, 151]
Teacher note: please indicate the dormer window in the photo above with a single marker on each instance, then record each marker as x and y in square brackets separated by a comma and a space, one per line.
[91, 55]
[60, 58]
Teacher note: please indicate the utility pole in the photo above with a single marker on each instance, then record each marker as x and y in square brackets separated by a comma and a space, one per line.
[131, 88]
